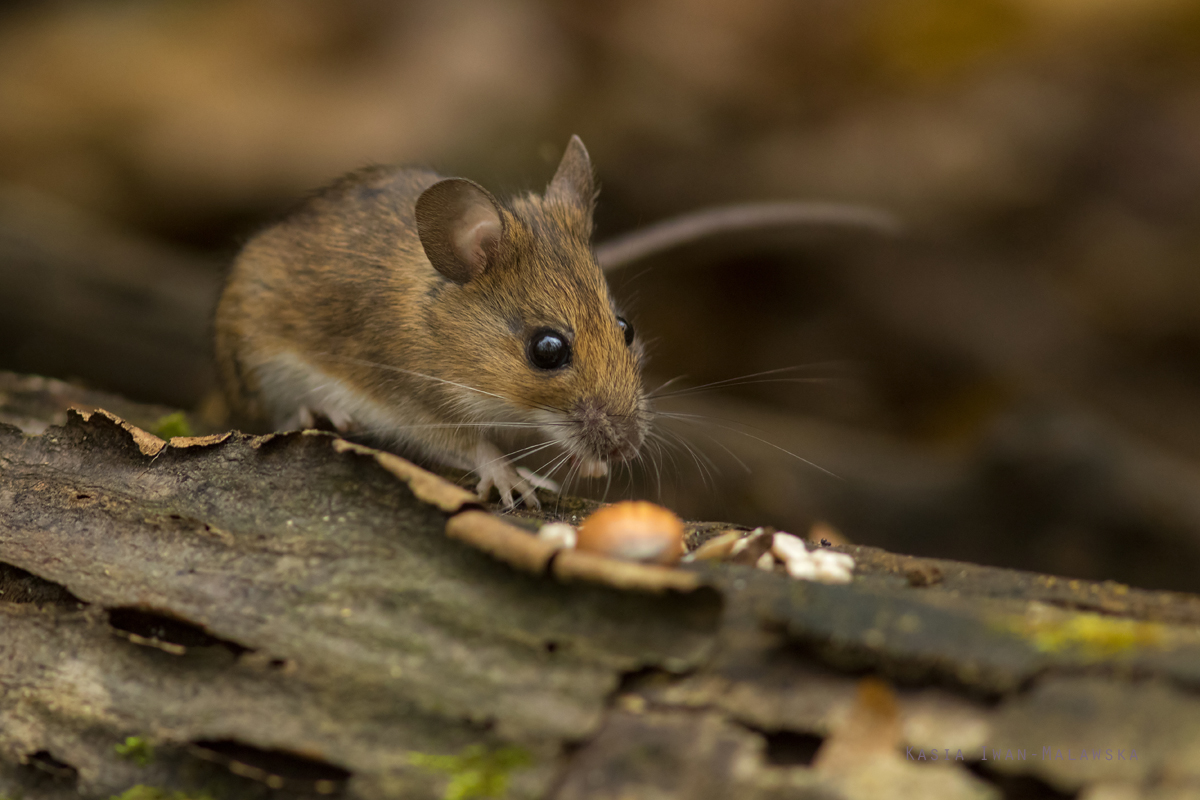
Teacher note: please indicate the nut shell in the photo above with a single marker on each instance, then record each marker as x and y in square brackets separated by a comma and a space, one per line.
[633, 531]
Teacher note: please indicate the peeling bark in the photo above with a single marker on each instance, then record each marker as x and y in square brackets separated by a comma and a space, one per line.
[293, 615]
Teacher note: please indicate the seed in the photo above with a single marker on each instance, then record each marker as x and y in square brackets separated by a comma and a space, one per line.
[633, 531]
[559, 533]
[716, 548]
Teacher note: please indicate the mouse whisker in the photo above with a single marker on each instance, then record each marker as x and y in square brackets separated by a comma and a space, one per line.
[628, 481]
[654, 459]
[744, 380]
[730, 453]
[456, 425]
[572, 476]
[668, 450]
[607, 485]
[519, 453]
[706, 467]
[704, 463]
[731, 384]
[664, 385]
[557, 463]
[664, 450]
[697, 419]
[434, 378]
[557, 460]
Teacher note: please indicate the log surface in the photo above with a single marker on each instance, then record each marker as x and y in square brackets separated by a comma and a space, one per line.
[287, 616]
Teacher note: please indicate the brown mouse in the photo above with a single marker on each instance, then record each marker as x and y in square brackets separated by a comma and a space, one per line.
[422, 312]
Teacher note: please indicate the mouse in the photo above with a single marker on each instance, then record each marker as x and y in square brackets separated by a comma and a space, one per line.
[423, 313]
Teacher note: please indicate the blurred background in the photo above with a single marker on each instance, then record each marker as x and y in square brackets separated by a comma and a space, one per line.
[1013, 381]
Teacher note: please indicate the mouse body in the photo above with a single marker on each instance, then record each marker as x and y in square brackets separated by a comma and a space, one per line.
[422, 313]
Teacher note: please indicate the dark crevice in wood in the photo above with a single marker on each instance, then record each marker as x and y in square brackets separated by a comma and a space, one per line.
[1018, 787]
[277, 768]
[19, 586]
[791, 748]
[155, 628]
[43, 761]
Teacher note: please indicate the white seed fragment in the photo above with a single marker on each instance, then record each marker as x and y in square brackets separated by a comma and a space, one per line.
[559, 533]
[716, 548]
[786, 546]
[766, 561]
[833, 567]
[744, 542]
[820, 565]
[801, 569]
[751, 547]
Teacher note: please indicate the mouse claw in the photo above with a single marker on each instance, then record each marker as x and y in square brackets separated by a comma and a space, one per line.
[538, 482]
[530, 499]
[484, 487]
[341, 421]
[301, 420]
[500, 474]
[528, 493]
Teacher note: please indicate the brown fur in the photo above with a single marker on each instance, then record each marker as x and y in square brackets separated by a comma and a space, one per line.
[344, 285]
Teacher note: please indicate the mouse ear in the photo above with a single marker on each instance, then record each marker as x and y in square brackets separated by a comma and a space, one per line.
[460, 228]
[572, 182]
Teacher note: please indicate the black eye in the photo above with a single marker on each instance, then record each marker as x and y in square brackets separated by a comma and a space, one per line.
[548, 349]
[626, 329]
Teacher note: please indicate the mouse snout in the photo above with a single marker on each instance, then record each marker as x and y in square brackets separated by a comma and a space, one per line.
[606, 434]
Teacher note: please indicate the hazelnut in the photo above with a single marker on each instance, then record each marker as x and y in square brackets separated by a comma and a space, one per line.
[633, 531]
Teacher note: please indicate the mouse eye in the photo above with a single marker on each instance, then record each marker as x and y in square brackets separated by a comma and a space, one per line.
[548, 349]
[626, 329]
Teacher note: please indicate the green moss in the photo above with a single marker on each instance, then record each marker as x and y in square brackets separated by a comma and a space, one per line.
[476, 771]
[1092, 635]
[172, 425]
[142, 792]
[137, 750]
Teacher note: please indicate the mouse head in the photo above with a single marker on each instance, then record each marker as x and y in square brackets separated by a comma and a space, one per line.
[527, 313]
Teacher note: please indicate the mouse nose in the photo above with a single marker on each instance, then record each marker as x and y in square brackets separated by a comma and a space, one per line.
[608, 435]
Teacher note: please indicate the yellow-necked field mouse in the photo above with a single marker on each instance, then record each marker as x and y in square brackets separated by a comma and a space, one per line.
[425, 314]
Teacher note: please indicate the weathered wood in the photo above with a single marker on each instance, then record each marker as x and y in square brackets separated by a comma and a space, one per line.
[344, 623]
[286, 616]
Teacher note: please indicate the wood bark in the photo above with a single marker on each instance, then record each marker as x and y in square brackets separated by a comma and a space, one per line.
[294, 616]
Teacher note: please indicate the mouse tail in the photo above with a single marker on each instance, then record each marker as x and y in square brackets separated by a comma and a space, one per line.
[693, 226]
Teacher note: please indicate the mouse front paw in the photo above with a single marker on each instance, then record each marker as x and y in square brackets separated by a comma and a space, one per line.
[305, 418]
[496, 471]
[507, 480]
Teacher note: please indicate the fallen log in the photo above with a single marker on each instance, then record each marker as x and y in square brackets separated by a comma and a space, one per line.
[230, 616]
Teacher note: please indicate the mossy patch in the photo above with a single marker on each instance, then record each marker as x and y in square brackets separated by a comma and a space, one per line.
[476, 771]
[172, 425]
[1094, 636]
[136, 749]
